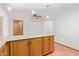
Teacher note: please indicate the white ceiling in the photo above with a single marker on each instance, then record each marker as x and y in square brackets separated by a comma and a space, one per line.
[25, 9]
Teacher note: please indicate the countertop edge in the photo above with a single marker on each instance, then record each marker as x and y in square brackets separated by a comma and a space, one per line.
[24, 38]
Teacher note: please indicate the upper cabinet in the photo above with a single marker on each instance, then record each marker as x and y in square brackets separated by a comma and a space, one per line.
[17, 27]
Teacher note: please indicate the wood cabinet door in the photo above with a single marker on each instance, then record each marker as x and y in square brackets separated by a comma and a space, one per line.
[45, 45]
[1, 51]
[36, 47]
[4, 50]
[51, 44]
[11, 48]
[20, 48]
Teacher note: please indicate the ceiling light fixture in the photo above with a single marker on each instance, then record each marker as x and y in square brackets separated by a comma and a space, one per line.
[47, 17]
[9, 8]
[33, 12]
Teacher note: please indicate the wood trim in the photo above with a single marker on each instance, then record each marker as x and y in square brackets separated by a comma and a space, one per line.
[11, 49]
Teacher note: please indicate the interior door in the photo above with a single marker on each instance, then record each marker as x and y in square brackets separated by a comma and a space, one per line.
[17, 27]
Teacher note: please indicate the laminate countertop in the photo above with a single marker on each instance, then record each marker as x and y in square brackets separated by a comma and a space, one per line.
[24, 37]
[3, 40]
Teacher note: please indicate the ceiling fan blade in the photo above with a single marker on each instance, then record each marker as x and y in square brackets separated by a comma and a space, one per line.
[39, 16]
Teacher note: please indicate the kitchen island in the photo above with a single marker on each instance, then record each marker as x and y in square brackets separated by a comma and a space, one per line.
[31, 46]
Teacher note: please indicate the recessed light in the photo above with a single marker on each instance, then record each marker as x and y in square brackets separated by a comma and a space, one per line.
[9, 8]
[47, 17]
[33, 12]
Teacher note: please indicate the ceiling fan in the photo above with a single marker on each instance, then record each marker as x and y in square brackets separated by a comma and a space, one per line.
[36, 16]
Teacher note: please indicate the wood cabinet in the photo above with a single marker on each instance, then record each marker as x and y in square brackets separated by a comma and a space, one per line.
[32, 47]
[19, 48]
[36, 47]
[51, 45]
[4, 50]
[46, 45]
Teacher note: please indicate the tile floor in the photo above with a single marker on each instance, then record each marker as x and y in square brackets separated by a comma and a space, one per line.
[61, 50]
